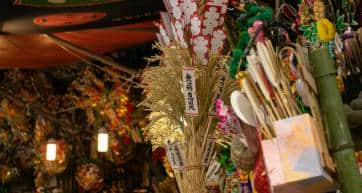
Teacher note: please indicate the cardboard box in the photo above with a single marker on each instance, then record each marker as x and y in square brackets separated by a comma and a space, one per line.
[293, 159]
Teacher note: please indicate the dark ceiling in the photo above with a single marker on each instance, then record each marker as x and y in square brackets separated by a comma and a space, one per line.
[99, 28]
[19, 19]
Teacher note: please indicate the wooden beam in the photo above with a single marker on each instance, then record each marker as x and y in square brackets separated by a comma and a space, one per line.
[85, 52]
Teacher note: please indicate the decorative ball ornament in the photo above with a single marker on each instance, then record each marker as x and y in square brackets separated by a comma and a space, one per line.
[89, 177]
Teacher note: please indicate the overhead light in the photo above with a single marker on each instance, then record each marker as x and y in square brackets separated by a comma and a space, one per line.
[51, 150]
[102, 140]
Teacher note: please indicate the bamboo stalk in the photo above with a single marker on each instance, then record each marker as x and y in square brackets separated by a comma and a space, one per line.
[341, 144]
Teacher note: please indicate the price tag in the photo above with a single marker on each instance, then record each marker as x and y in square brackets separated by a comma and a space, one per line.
[217, 176]
[175, 155]
[208, 152]
[171, 155]
[213, 169]
[179, 155]
[218, 92]
[189, 88]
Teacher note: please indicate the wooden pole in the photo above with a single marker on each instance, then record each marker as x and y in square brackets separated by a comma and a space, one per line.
[88, 53]
[341, 144]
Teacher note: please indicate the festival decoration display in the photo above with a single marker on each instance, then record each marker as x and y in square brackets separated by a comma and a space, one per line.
[182, 91]
[251, 122]
[38, 113]
[278, 83]
[110, 108]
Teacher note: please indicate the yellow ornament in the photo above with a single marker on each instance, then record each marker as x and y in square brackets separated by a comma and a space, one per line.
[240, 76]
[326, 30]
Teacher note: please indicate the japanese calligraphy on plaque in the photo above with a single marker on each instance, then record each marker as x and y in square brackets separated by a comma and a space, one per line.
[218, 92]
[175, 155]
[189, 88]
[213, 170]
[208, 152]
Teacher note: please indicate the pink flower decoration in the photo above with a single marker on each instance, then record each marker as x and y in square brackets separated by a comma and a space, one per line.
[228, 122]
[256, 26]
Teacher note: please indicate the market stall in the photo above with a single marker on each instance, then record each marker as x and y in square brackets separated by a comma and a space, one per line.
[230, 97]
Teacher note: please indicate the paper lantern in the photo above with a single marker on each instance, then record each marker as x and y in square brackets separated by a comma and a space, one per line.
[54, 156]
[51, 150]
[102, 140]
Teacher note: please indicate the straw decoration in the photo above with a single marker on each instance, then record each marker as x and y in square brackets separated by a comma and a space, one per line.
[164, 97]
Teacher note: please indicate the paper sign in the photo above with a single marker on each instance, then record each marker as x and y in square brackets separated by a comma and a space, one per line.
[211, 19]
[217, 176]
[218, 92]
[163, 35]
[189, 8]
[170, 155]
[167, 5]
[221, 3]
[176, 9]
[189, 88]
[200, 47]
[209, 150]
[179, 155]
[167, 25]
[179, 27]
[195, 25]
[213, 169]
[175, 155]
[217, 41]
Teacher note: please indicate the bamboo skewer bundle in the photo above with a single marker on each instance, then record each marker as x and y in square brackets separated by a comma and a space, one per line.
[267, 88]
[273, 99]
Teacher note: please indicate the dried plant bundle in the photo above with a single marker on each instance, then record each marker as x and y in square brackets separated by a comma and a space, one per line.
[163, 86]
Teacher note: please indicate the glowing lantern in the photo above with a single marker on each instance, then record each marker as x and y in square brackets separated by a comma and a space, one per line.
[102, 140]
[51, 151]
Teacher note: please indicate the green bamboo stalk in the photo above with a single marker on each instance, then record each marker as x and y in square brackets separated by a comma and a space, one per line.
[341, 144]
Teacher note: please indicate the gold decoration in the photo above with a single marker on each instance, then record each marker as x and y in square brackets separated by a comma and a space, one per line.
[160, 130]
